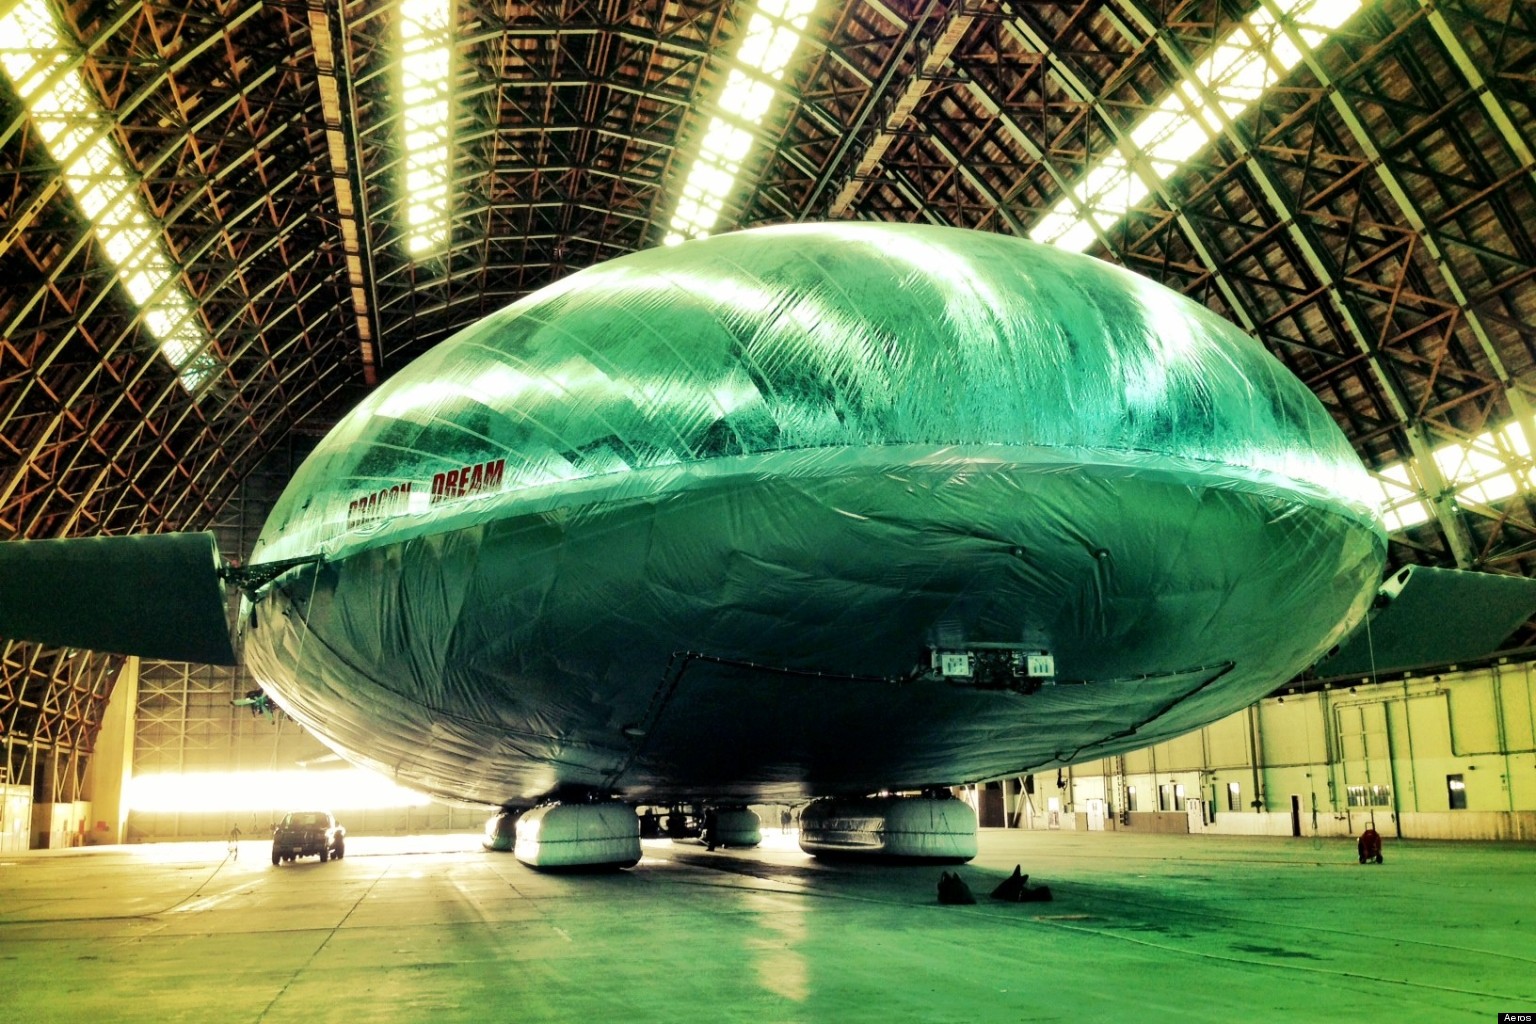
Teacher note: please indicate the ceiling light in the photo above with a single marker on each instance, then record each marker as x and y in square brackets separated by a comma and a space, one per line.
[1253, 57]
[425, 59]
[80, 134]
[767, 46]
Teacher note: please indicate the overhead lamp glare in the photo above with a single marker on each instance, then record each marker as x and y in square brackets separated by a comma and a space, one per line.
[1237, 71]
[425, 62]
[768, 45]
[80, 135]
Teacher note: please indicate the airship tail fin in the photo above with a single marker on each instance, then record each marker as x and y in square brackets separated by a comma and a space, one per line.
[1427, 617]
[159, 596]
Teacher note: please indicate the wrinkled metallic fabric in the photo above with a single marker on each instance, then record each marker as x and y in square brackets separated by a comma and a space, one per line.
[685, 523]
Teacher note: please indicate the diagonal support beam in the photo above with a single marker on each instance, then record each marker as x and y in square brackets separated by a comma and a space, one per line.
[346, 184]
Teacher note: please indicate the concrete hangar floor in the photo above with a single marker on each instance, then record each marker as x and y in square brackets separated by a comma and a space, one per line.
[1143, 928]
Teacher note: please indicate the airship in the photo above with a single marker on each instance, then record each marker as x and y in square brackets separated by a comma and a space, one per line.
[836, 511]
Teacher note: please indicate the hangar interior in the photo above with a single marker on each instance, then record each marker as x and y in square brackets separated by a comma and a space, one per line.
[225, 223]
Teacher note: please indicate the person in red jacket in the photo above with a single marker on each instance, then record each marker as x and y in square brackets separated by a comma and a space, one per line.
[1370, 845]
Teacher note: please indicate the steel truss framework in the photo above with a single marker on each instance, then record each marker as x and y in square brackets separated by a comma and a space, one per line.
[52, 702]
[1370, 219]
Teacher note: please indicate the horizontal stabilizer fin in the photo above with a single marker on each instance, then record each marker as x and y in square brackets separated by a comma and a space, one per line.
[1427, 617]
[157, 596]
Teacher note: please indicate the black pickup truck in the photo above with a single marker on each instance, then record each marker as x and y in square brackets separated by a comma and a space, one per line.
[307, 834]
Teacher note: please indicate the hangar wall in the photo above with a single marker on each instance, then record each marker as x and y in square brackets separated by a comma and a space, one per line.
[1444, 756]
[188, 724]
[56, 698]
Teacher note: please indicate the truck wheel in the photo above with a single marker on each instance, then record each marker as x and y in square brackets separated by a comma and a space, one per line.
[276, 858]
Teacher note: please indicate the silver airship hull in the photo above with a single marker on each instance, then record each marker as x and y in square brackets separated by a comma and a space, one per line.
[761, 628]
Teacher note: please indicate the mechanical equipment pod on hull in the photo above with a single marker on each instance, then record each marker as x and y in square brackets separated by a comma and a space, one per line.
[698, 525]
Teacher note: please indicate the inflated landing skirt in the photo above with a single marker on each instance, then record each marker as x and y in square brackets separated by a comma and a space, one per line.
[738, 827]
[899, 827]
[578, 836]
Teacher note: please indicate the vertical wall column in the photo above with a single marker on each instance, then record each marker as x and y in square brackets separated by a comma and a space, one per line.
[111, 765]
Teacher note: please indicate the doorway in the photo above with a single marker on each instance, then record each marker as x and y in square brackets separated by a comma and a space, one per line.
[1195, 809]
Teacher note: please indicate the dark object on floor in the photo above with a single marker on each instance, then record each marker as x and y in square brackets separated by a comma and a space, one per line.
[952, 889]
[1015, 889]
[1369, 845]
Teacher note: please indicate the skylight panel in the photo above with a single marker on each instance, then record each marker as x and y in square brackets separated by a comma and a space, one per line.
[746, 98]
[1513, 438]
[347, 209]
[1248, 61]
[78, 134]
[1477, 470]
[1490, 467]
[1401, 506]
[425, 59]
[767, 46]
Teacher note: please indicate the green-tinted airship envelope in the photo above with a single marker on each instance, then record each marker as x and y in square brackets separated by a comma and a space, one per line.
[694, 522]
